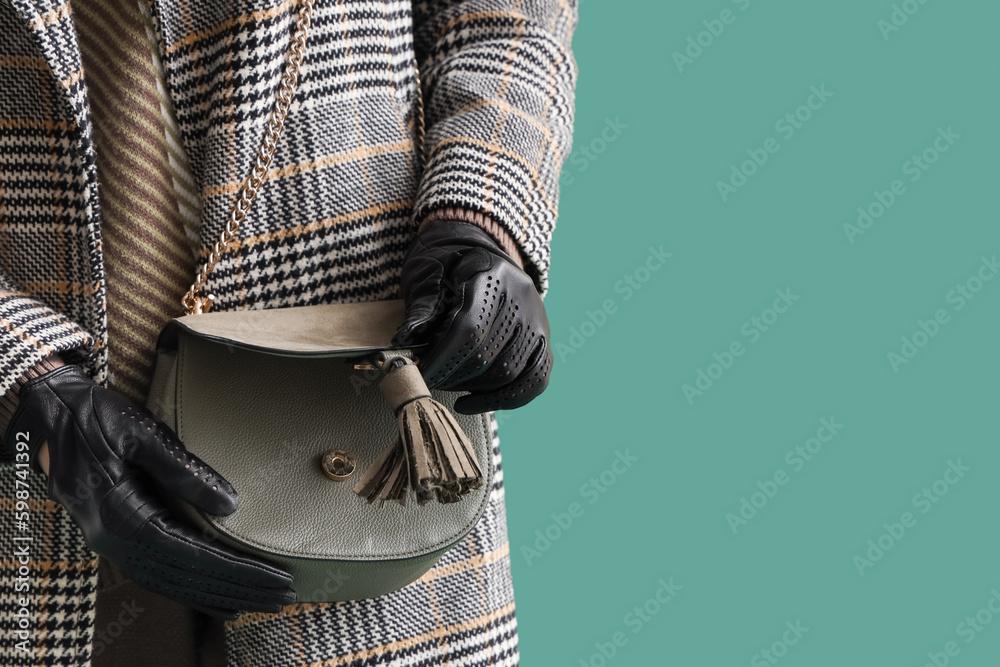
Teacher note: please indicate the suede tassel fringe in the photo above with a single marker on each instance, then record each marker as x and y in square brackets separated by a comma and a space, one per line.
[432, 455]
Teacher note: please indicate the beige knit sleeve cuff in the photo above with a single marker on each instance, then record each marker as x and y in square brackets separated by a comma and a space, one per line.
[484, 222]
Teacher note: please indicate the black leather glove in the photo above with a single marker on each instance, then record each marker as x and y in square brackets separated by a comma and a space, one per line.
[480, 315]
[107, 455]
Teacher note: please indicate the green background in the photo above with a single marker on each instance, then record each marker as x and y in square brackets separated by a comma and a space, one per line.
[675, 134]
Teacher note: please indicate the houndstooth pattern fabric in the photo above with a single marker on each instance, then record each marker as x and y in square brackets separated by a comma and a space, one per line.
[334, 217]
[339, 208]
[51, 280]
[498, 82]
[343, 198]
[57, 585]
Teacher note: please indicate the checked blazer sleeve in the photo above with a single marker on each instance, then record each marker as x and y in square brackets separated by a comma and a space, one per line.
[30, 332]
[498, 80]
[49, 267]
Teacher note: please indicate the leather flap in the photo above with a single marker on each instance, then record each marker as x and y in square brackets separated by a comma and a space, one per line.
[265, 421]
[316, 331]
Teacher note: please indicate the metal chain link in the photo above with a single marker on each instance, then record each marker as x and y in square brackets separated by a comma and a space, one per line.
[191, 302]
[420, 131]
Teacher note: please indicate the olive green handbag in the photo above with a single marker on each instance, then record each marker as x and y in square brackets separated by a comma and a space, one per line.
[285, 404]
[324, 428]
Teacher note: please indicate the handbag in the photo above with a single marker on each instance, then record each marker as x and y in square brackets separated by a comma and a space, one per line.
[322, 425]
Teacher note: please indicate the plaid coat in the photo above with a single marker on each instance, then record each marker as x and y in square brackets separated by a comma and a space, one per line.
[332, 223]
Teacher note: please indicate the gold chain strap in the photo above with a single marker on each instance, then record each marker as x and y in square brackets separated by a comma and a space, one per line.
[420, 132]
[248, 192]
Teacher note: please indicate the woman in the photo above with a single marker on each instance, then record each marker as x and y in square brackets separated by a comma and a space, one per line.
[127, 130]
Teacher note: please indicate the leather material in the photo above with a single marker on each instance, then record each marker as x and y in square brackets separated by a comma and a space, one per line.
[319, 330]
[332, 579]
[110, 462]
[264, 417]
[480, 316]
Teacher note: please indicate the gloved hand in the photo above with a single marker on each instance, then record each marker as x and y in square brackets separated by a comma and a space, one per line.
[481, 316]
[106, 456]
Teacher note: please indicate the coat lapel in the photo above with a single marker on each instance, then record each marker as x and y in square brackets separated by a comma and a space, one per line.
[51, 25]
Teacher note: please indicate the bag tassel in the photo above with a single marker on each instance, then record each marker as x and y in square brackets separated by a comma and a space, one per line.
[432, 455]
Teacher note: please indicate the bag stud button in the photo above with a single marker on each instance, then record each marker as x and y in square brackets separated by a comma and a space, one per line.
[337, 465]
